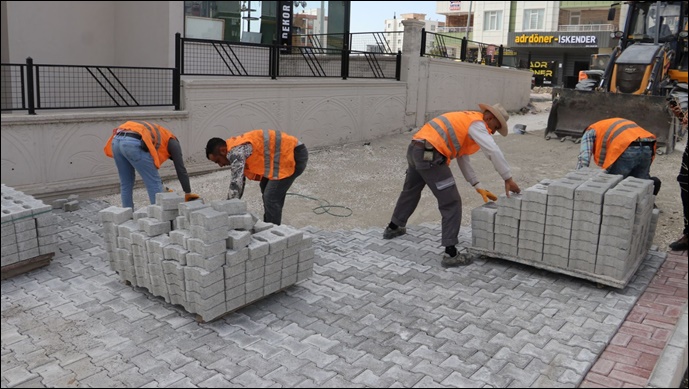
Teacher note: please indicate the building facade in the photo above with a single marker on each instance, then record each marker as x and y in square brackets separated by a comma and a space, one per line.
[142, 33]
[394, 29]
[555, 39]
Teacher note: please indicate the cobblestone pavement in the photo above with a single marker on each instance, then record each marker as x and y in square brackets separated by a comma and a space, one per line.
[375, 313]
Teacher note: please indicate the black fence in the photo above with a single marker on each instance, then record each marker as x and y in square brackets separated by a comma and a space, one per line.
[389, 42]
[37, 86]
[315, 56]
[465, 50]
[34, 87]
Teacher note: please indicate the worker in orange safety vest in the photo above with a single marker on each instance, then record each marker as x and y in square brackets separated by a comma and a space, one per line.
[138, 146]
[453, 135]
[272, 157]
[619, 146]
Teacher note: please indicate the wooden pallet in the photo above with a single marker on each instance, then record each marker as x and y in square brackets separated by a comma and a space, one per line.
[26, 265]
[600, 279]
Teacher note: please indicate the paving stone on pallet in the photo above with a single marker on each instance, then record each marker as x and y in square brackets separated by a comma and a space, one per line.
[140, 213]
[209, 236]
[168, 201]
[241, 222]
[29, 229]
[230, 207]
[186, 208]
[159, 213]
[178, 265]
[180, 236]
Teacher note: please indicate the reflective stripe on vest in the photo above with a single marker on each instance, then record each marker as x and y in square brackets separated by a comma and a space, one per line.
[450, 129]
[607, 139]
[266, 154]
[155, 135]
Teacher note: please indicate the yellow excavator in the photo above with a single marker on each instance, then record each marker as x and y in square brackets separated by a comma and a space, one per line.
[645, 74]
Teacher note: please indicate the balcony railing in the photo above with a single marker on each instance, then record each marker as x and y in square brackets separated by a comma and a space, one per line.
[455, 29]
[586, 27]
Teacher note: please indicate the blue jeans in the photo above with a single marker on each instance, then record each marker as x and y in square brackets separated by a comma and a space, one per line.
[130, 157]
[635, 162]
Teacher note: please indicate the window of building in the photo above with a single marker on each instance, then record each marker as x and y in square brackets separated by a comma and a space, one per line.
[432, 27]
[575, 17]
[259, 21]
[492, 21]
[533, 19]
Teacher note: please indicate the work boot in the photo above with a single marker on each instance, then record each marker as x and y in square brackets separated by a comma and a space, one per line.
[681, 244]
[461, 259]
[390, 233]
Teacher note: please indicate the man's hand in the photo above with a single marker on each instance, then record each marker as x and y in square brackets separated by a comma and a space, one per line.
[511, 186]
[486, 194]
[191, 196]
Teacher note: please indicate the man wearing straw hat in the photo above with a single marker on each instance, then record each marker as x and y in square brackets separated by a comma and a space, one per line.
[453, 135]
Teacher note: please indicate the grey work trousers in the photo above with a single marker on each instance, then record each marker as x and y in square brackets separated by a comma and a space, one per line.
[275, 191]
[438, 176]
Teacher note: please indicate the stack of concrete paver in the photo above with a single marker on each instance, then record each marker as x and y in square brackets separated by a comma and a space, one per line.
[209, 258]
[588, 224]
[29, 230]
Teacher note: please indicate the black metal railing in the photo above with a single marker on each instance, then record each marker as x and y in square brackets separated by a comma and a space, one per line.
[34, 87]
[46, 86]
[12, 87]
[388, 42]
[198, 57]
[456, 48]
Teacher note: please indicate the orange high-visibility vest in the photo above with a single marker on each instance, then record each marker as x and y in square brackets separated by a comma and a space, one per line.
[272, 156]
[155, 136]
[613, 136]
[449, 133]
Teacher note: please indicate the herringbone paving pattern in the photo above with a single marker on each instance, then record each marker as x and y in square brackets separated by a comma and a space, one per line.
[375, 313]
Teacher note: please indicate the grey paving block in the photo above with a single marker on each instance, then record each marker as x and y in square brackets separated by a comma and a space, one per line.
[230, 207]
[155, 211]
[154, 227]
[168, 201]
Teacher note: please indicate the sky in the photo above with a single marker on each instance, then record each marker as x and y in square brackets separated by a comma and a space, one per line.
[369, 16]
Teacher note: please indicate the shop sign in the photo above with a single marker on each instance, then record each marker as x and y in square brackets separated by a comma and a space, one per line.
[285, 20]
[545, 71]
[538, 39]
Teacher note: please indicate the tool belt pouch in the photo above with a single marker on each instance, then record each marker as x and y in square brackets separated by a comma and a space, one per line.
[428, 151]
[143, 146]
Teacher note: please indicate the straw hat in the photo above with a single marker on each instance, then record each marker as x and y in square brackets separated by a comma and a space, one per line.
[499, 112]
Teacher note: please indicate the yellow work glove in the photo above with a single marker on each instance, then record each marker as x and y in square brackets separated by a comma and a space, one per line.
[190, 196]
[168, 189]
[486, 194]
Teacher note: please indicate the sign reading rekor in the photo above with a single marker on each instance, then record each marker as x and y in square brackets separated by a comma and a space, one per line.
[537, 39]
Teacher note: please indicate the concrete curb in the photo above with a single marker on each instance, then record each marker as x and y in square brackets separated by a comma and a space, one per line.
[669, 370]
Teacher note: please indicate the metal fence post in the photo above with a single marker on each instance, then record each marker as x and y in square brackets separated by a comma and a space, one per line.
[398, 66]
[344, 70]
[176, 75]
[463, 49]
[273, 59]
[29, 86]
[423, 42]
